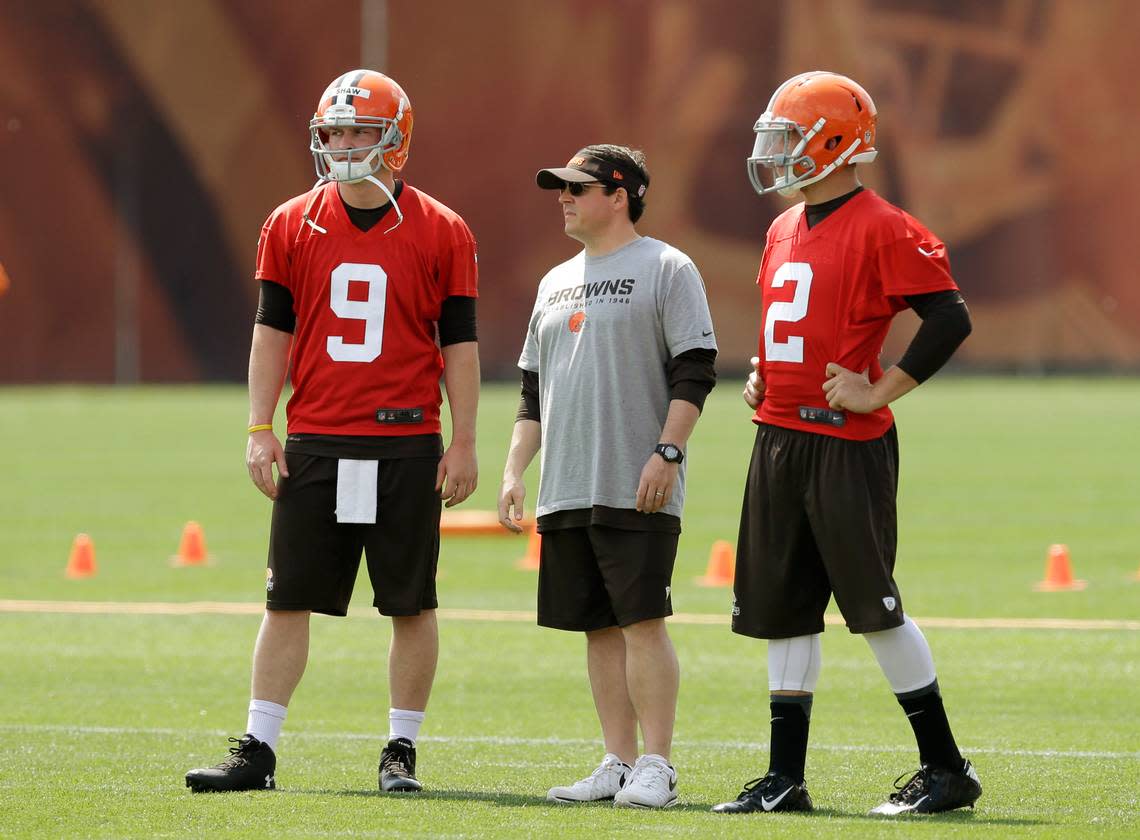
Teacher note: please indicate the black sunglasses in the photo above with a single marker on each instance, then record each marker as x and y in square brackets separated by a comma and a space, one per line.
[576, 188]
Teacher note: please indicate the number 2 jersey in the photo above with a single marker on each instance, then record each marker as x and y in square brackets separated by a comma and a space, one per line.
[829, 294]
[367, 304]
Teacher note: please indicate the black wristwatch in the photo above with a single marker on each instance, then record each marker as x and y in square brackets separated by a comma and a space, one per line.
[669, 452]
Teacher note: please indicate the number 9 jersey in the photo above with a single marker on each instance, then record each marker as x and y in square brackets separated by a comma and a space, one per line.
[829, 293]
[367, 304]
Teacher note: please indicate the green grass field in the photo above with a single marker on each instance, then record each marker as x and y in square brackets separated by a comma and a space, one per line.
[102, 713]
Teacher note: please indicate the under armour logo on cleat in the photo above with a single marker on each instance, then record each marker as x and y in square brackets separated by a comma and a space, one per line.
[269, 781]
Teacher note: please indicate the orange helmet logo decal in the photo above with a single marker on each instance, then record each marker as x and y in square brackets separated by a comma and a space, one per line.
[576, 321]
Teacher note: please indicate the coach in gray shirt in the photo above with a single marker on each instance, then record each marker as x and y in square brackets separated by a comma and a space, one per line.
[617, 362]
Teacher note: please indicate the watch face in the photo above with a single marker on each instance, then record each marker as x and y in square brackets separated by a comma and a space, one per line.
[670, 453]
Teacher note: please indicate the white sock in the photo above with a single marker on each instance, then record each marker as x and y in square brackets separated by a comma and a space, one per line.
[404, 723]
[265, 721]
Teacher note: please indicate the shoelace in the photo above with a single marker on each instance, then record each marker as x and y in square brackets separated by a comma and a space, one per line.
[914, 787]
[396, 761]
[653, 769]
[749, 787]
[237, 755]
[757, 787]
[599, 771]
[602, 769]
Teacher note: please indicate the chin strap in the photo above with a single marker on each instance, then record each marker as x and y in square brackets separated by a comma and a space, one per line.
[391, 199]
[309, 207]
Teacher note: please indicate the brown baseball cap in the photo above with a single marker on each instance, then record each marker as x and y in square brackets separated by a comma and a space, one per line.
[584, 168]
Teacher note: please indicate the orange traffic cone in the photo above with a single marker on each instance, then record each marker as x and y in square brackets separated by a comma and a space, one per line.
[530, 561]
[192, 547]
[81, 561]
[1058, 572]
[722, 565]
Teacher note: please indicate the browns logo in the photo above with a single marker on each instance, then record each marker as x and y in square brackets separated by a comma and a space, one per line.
[576, 321]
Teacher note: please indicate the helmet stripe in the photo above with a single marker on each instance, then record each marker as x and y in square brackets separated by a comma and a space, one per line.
[337, 84]
[348, 97]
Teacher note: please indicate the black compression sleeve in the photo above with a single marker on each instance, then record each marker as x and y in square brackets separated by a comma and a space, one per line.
[945, 325]
[528, 402]
[275, 307]
[692, 375]
[457, 320]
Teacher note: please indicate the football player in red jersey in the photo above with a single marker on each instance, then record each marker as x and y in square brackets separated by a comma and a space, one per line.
[819, 514]
[357, 277]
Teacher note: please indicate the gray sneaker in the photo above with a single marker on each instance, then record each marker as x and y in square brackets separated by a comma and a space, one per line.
[653, 784]
[600, 785]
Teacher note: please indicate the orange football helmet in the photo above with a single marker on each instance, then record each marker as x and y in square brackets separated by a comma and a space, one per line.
[815, 123]
[362, 98]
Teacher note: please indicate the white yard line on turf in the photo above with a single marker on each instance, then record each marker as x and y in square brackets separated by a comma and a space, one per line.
[508, 741]
[244, 608]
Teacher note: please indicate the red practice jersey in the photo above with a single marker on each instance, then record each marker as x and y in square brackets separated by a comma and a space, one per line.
[829, 294]
[367, 304]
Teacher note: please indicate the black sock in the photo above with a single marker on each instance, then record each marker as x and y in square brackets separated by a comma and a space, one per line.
[790, 717]
[927, 718]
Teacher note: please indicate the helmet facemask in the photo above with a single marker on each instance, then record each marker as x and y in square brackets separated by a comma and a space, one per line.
[359, 163]
[779, 152]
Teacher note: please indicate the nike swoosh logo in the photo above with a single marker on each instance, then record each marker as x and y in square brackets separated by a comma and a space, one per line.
[926, 253]
[769, 804]
[706, 334]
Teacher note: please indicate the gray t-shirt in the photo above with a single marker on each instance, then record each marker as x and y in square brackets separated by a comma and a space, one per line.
[600, 336]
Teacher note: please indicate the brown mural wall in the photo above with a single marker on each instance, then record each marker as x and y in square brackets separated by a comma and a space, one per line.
[142, 144]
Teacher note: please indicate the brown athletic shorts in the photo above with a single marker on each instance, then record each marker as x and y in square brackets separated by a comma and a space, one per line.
[596, 576]
[818, 518]
[313, 559]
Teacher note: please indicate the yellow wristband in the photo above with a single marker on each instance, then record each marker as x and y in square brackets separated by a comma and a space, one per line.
[264, 427]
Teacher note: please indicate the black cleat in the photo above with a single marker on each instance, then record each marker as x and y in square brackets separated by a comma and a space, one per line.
[398, 767]
[250, 767]
[932, 790]
[774, 792]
